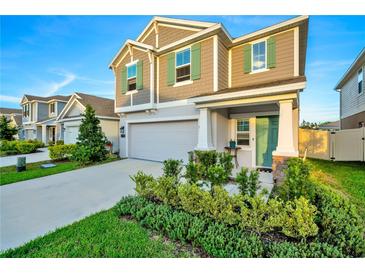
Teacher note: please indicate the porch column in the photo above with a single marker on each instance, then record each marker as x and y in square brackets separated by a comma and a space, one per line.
[286, 145]
[44, 134]
[205, 130]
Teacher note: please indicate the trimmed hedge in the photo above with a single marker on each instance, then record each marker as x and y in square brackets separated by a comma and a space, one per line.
[215, 238]
[60, 152]
[19, 147]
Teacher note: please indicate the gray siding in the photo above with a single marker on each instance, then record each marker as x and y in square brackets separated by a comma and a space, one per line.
[42, 111]
[351, 101]
[60, 106]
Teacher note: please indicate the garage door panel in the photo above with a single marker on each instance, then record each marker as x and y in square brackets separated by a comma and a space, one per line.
[160, 141]
[71, 134]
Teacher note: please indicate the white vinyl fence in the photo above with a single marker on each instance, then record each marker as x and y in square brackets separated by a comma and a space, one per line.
[343, 145]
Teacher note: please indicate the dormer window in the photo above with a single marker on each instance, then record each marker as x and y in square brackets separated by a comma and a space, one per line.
[132, 77]
[26, 110]
[259, 56]
[183, 65]
[52, 108]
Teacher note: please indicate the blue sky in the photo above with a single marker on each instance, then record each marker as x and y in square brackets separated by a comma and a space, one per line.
[47, 55]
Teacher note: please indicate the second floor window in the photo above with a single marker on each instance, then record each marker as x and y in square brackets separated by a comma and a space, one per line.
[259, 56]
[26, 110]
[132, 77]
[243, 132]
[52, 108]
[183, 65]
[360, 80]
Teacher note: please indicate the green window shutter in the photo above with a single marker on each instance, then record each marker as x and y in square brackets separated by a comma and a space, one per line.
[171, 69]
[195, 61]
[247, 58]
[139, 84]
[124, 80]
[271, 52]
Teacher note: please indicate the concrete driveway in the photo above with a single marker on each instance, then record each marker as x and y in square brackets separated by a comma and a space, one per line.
[41, 155]
[35, 207]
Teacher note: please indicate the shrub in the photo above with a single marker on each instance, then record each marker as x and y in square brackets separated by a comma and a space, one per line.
[7, 131]
[193, 199]
[247, 184]
[172, 168]
[205, 160]
[37, 143]
[60, 142]
[297, 182]
[51, 143]
[225, 160]
[61, 152]
[339, 223]
[145, 184]
[25, 147]
[8, 145]
[300, 219]
[165, 190]
[191, 173]
[217, 175]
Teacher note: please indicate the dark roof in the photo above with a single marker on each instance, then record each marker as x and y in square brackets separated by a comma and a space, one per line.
[40, 98]
[10, 110]
[102, 106]
[18, 120]
[293, 80]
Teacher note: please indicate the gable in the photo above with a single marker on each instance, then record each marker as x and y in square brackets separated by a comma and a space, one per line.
[75, 110]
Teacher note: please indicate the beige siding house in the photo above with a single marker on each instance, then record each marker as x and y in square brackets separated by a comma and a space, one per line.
[185, 85]
[15, 117]
[352, 94]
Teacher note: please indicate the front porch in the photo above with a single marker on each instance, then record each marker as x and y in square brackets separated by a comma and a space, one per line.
[47, 131]
[262, 127]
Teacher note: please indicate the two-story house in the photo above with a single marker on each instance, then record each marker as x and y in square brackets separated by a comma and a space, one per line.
[14, 115]
[184, 85]
[39, 116]
[352, 94]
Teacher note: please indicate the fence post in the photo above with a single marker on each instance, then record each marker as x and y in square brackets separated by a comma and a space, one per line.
[332, 145]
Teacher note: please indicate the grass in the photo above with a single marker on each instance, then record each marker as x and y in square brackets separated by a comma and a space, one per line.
[8, 174]
[347, 178]
[102, 235]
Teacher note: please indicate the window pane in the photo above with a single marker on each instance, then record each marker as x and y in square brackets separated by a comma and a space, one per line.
[183, 57]
[243, 125]
[259, 58]
[132, 71]
[243, 139]
[183, 73]
[132, 84]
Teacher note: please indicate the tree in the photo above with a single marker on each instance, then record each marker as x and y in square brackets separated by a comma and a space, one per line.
[7, 131]
[90, 145]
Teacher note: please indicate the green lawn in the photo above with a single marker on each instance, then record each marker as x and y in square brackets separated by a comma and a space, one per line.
[348, 178]
[9, 175]
[102, 235]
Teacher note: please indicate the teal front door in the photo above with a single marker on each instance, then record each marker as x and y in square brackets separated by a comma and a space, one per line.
[266, 139]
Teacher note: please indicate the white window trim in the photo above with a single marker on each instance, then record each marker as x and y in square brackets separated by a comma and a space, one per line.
[252, 61]
[129, 92]
[244, 147]
[51, 114]
[189, 81]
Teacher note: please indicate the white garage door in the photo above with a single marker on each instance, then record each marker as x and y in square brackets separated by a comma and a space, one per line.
[71, 134]
[162, 140]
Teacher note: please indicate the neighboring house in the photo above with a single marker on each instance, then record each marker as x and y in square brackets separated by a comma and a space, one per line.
[185, 85]
[330, 126]
[15, 117]
[39, 116]
[69, 119]
[352, 94]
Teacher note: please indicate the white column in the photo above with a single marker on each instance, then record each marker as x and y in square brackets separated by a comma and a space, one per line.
[205, 130]
[286, 137]
[44, 134]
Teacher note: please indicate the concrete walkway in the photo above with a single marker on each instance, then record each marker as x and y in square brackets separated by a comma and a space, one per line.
[32, 208]
[41, 155]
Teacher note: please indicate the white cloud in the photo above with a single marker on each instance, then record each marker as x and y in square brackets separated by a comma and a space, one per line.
[56, 86]
[10, 99]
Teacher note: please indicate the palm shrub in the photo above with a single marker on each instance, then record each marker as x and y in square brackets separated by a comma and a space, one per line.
[7, 131]
[91, 140]
[172, 168]
[192, 172]
[248, 182]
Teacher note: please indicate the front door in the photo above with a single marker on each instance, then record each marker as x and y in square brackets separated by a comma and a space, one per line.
[53, 130]
[266, 139]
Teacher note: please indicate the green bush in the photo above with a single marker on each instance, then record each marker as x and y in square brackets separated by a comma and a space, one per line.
[217, 175]
[37, 143]
[8, 145]
[192, 172]
[205, 159]
[61, 152]
[25, 147]
[297, 182]
[339, 223]
[172, 168]
[145, 184]
[165, 190]
[82, 154]
[51, 143]
[225, 160]
[248, 184]
[60, 142]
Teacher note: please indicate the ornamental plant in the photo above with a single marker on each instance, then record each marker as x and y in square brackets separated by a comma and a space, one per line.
[7, 131]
